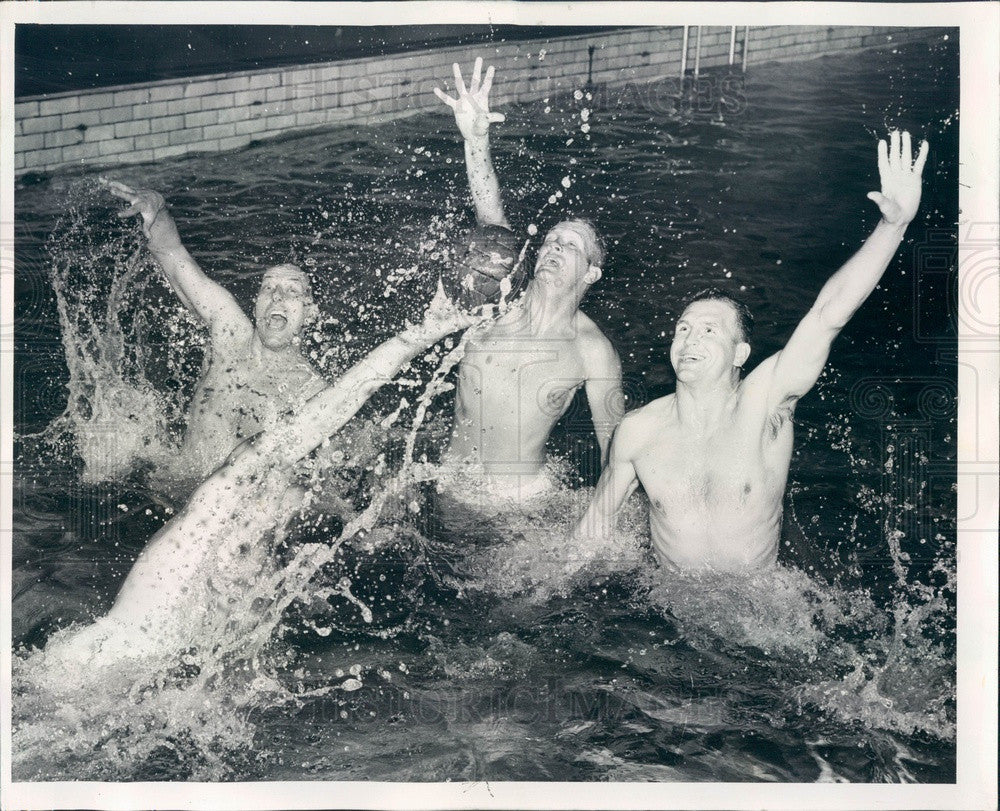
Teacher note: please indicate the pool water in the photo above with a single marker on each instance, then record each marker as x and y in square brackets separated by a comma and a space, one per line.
[501, 653]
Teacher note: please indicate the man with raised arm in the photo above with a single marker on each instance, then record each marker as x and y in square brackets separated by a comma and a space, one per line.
[713, 457]
[520, 373]
[189, 572]
[254, 371]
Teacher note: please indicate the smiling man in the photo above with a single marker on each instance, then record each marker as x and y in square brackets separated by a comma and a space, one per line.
[713, 457]
[254, 371]
[520, 373]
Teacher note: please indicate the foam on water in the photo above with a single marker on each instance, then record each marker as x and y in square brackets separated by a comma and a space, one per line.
[858, 661]
[211, 663]
[536, 557]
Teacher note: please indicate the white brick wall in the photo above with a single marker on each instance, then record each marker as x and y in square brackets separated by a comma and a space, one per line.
[174, 117]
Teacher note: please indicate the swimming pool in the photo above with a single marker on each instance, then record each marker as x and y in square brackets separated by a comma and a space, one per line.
[497, 661]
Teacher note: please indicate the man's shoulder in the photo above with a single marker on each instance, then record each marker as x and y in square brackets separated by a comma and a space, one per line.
[637, 424]
[653, 410]
[231, 341]
[756, 389]
[586, 327]
[592, 341]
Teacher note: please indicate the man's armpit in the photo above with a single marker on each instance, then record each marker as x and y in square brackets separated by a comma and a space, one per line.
[781, 416]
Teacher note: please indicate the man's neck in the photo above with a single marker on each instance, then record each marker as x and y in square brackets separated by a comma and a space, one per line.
[549, 311]
[265, 356]
[702, 405]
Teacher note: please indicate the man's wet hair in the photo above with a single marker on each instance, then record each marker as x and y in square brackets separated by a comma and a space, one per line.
[744, 318]
[599, 251]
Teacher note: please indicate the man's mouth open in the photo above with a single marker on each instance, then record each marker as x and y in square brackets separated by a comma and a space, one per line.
[276, 321]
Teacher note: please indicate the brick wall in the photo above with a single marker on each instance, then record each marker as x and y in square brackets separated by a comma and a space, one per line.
[148, 122]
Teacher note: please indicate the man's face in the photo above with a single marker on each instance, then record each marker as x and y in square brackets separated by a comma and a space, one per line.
[707, 341]
[564, 258]
[284, 305]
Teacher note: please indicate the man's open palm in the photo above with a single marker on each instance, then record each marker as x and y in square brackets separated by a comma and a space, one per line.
[900, 177]
[472, 107]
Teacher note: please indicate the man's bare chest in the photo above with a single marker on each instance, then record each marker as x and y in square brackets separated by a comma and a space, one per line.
[544, 373]
[683, 469]
[240, 390]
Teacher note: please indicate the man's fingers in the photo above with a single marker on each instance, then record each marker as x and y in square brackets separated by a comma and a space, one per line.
[496, 118]
[445, 97]
[459, 81]
[487, 81]
[881, 201]
[121, 194]
[883, 159]
[128, 212]
[894, 160]
[116, 188]
[918, 167]
[477, 72]
[906, 151]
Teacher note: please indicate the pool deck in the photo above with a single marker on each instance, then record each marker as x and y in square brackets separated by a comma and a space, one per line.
[150, 121]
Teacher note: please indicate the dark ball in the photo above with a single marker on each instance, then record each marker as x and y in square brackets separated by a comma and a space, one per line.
[481, 263]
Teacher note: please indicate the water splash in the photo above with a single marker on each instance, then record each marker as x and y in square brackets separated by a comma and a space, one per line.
[115, 327]
[886, 668]
[219, 626]
[535, 556]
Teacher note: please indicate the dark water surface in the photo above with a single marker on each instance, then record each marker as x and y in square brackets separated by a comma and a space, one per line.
[508, 656]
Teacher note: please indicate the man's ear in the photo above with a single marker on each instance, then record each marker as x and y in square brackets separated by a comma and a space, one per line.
[742, 353]
[593, 274]
[310, 314]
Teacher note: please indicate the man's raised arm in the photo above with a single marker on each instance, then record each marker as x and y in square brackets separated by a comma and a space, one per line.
[795, 369]
[208, 300]
[473, 116]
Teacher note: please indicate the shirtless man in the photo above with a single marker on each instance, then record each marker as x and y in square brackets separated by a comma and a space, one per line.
[254, 371]
[519, 374]
[189, 571]
[713, 457]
